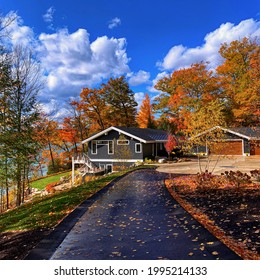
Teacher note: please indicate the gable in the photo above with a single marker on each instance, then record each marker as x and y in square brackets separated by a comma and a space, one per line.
[144, 135]
[238, 132]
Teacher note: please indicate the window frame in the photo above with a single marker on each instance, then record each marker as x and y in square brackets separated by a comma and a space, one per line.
[140, 149]
[121, 144]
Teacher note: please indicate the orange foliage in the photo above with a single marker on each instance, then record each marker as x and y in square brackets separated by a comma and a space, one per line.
[145, 118]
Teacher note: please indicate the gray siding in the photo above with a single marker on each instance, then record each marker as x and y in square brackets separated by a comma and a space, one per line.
[102, 150]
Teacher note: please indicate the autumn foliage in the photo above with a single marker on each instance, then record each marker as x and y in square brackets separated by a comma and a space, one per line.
[145, 118]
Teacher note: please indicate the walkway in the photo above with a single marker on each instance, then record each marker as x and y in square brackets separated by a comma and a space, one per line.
[137, 219]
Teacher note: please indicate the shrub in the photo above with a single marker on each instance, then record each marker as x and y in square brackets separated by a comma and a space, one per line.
[50, 187]
[256, 174]
[206, 180]
[237, 178]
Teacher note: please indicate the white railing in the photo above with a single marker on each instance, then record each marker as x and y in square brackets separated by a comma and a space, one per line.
[88, 166]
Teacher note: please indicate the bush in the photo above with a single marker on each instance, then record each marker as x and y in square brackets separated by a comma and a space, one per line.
[237, 178]
[206, 180]
[256, 174]
[50, 187]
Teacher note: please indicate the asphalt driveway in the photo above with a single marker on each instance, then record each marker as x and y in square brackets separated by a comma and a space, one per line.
[136, 218]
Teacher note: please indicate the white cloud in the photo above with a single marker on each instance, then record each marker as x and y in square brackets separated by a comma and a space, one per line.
[48, 16]
[18, 33]
[159, 76]
[114, 22]
[181, 56]
[70, 61]
[139, 96]
[141, 77]
[73, 62]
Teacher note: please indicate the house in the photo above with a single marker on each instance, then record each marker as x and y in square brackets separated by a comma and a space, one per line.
[236, 141]
[119, 145]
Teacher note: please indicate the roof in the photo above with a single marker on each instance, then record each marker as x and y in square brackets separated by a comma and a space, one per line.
[249, 133]
[145, 135]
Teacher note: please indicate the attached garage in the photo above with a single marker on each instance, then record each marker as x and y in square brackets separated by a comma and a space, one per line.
[234, 147]
[255, 148]
[236, 141]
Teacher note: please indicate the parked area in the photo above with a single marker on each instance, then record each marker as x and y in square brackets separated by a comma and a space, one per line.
[220, 164]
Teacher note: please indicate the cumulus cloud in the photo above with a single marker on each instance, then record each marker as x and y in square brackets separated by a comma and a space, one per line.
[181, 56]
[141, 77]
[73, 62]
[159, 76]
[114, 22]
[18, 32]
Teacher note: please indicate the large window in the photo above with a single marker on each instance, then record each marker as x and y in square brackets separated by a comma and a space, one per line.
[138, 147]
[108, 143]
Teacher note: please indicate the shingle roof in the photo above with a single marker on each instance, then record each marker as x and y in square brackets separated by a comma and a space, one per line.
[252, 132]
[142, 134]
[146, 134]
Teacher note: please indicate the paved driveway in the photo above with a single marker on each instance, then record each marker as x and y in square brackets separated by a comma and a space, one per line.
[220, 165]
[137, 219]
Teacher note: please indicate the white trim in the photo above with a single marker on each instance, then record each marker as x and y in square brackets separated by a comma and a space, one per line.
[225, 129]
[105, 132]
[116, 160]
[116, 129]
[141, 148]
[117, 142]
[92, 147]
[109, 164]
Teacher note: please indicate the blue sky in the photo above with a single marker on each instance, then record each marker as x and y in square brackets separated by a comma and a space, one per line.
[84, 43]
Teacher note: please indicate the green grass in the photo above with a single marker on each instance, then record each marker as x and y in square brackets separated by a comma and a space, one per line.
[47, 212]
[41, 183]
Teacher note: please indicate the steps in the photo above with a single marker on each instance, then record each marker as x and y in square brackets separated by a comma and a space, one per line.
[87, 167]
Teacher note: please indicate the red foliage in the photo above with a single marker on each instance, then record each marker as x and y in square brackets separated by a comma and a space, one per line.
[171, 143]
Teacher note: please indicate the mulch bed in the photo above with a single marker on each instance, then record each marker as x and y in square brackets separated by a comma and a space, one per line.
[231, 214]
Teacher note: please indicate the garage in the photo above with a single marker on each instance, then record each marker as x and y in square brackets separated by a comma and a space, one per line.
[255, 148]
[237, 141]
[234, 147]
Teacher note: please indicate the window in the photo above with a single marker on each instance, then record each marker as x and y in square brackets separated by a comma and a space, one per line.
[94, 147]
[102, 142]
[122, 142]
[138, 147]
[110, 147]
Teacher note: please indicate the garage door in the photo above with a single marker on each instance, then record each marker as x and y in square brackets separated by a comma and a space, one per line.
[255, 148]
[227, 148]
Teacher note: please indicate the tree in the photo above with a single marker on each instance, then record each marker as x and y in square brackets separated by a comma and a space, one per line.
[121, 103]
[122, 152]
[5, 150]
[23, 114]
[145, 118]
[239, 77]
[186, 91]
[203, 120]
[170, 144]
[94, 107]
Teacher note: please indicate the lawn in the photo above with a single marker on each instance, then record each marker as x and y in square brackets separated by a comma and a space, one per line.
[22, 228]
[40, 184]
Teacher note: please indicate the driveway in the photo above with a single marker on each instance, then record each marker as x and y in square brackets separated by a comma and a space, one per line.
[136, 218]
[220, 165]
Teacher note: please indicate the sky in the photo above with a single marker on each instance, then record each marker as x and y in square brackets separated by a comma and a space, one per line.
[84, 43]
